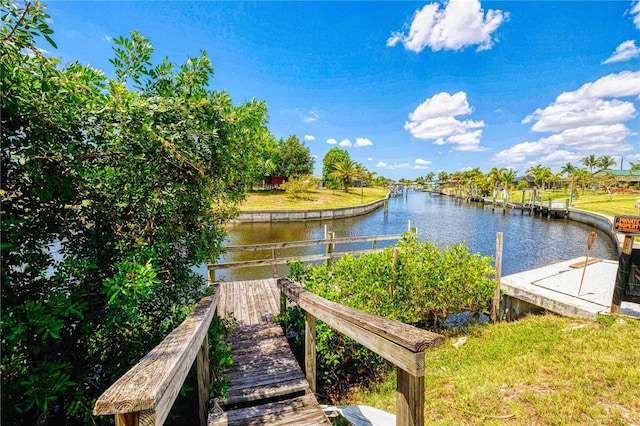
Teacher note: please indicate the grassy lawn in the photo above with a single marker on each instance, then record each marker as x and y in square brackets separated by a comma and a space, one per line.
[597, 202]
[541, 370]
[319, 199]
[616, 204]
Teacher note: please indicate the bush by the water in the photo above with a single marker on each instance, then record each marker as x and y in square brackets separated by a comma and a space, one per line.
[425, 285]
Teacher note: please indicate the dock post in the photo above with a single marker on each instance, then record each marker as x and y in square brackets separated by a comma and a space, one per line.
[495, 305]
[212, 275]
[329, 250]
[275, 265]
[624, 268]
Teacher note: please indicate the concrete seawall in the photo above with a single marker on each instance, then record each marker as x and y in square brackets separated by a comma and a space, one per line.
[311, 214]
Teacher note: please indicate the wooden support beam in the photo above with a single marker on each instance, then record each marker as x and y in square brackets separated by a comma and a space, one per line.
[409, 399]
[310, 350]
[204, 381]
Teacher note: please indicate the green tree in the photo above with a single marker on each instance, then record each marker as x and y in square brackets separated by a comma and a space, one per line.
[267, 159]
[635, 167]
[541, 175]
[605, 162]
[507, 177]
[443, 176]
[570, 170]
[295, 157]
[590, 161]
[344, 171]
[495, 177]
[333, 156]
[109, 196]
[583, 178]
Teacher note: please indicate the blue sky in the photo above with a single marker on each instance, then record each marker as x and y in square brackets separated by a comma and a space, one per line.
[407, 88]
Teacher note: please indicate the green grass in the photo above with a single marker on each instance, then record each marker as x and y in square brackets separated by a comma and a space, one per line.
[597, 202]
[319, 199]
[610, 205]
[542, 370]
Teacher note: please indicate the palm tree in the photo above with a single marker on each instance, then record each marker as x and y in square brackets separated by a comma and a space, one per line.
[443, 176]
[345, 170]
[605, 162]
[635, 167]
[507, 177]
[570, 170]
[590, 161]
[495, 177]
[540, 174]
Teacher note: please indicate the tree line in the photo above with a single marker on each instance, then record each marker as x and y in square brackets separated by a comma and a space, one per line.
[595, 173]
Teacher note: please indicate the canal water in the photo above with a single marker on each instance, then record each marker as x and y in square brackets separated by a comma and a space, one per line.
[529, 241]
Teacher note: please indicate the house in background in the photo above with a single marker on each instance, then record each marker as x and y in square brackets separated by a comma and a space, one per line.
[623, 177]
[530, 182]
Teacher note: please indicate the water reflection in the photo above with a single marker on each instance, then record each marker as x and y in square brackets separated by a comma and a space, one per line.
[529, 241]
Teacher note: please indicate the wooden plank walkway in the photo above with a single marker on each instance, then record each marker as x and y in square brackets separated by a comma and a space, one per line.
[267, 383]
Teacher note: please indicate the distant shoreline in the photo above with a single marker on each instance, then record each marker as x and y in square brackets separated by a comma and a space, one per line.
[303, 215]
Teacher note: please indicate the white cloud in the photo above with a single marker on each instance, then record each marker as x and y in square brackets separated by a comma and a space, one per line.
[561, 156]
[369, 159]
[623, 84]
[625, 52]
[460, 24]
[309, 138]
[590, 105]
[107, 38]
[384, 165]
[569, 145]
[436, 119]
[360, 142]
[635, 10]
[421, 162]
[332, 141]
[311, 116]
[345, 143]
[568, 115]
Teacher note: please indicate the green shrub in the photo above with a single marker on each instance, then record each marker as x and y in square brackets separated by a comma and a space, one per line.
[424, 287]
[300, 187]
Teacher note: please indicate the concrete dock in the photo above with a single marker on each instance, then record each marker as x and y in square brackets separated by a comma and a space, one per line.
[555, 288]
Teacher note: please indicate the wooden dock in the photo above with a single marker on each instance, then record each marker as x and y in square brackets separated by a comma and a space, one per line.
[267, 385]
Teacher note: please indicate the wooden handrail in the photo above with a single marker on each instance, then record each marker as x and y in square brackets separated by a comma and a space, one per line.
[273, 260]
[399, 343]
[283, 260]
[309, 243]
[409, 337]
[145, 394]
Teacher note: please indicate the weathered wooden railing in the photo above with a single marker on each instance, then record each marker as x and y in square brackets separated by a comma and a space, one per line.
[401, 344]
[145, 394]
[329, 241]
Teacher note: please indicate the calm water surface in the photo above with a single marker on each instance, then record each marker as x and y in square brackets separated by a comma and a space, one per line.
[529, 241]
